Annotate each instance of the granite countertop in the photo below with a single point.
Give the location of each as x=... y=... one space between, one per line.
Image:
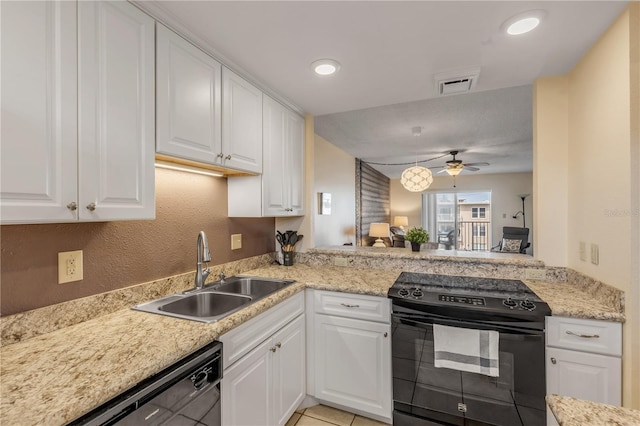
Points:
x=79 y=367
x=577 y=412
x=55 y=377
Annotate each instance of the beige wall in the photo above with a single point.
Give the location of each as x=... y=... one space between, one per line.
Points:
x=504 y=198
x=120 y=254
x=600 y=97
x=334 y=172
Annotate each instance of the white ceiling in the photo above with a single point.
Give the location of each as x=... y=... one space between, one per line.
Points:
x=390 y=52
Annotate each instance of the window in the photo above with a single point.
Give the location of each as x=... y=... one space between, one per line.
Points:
x=478 y=212
x=480 y=231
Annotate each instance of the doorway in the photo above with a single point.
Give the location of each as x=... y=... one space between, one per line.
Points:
x=458 y=220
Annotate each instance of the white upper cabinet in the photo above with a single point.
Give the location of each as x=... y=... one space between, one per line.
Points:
x=39 y=112
x=279 y=191
x=188 y=100
x=77 y=112
x=117 y=113
x=241 y=123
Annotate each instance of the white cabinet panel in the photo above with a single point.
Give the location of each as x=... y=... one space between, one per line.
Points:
x=39 y=111
x=188 y=100
x=247 y=397
x=357 y=306
x=241 y=123
x=583 y=375
x=116 y=115
x=77 y=112
x=289 y=369
x=295 y=167
x=603 y=337
x=353 y=364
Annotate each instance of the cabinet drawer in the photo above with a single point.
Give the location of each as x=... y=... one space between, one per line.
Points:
x=371 y=308
x=243 y=339
x=601 y=337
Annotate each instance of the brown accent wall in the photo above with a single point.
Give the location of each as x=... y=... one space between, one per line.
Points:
x=120 y=254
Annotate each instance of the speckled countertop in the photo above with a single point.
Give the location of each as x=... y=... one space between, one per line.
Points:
x=55 y=377
x=577 y=412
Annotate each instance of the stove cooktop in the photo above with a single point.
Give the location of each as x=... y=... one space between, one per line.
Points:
x=453 y=294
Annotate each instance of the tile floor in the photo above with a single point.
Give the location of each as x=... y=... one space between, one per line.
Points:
x=321 y=415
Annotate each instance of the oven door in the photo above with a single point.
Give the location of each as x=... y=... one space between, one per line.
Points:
x=426 y=395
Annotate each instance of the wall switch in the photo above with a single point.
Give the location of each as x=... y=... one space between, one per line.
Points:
x=70 y=266
x=504 y=215
x=595 y=254
x=236 y=241
x=535 y=274
x=340 y=261
x=583 y=251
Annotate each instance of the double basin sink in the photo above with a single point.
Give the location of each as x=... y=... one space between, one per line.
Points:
x=215 y=301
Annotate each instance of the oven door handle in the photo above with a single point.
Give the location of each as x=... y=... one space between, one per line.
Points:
x=424 y=320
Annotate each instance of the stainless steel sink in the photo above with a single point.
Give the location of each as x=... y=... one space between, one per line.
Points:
x=216 y=300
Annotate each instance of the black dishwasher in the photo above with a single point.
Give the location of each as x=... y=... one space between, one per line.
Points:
x=186 y=393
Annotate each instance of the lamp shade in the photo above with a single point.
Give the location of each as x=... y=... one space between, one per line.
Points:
x=379 y=230
x=401 y=221
x=416 y=178
x=454 y=171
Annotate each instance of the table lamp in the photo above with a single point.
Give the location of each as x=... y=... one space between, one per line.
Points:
x=401 y=221
x=379 y=230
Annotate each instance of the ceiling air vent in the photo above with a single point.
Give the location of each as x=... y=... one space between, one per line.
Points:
x=453 y=83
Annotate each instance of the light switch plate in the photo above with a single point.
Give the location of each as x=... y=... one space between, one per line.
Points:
x=70 y=266
x=236 y=241
x=535 y=274
x=583 y=251
x=595 y=254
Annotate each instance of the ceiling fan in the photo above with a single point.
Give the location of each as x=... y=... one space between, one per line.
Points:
x=454 y=166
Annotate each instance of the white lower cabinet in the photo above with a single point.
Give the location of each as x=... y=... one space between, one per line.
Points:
x=266 y=384
x=584 y=359
x=351 y=357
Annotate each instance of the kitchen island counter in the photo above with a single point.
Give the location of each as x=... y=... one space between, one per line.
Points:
x=577 y=412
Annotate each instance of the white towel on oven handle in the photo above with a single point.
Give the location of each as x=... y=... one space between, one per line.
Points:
x=475 y=351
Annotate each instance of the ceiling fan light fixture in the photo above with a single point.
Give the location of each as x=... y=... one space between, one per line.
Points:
x=454 y=171
x=523 y=23
x=325 y=66
x=416 y=178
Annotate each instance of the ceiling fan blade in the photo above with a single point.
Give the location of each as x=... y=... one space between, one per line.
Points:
x=441 y=171
x=437 y=167
x=471 y=168
x=476 y=164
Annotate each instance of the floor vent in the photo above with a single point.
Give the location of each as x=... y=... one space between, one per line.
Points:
x=456 y=83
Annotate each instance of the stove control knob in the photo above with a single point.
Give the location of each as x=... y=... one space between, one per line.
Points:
x=528 y=305
x=403 y=292
x=417 y=293
x=509 y=303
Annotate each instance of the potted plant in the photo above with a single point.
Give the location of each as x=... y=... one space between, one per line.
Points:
x=417 y=236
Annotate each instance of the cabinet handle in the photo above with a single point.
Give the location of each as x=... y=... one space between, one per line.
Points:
x=350 y=306
x=273 y=349
x=584 y=336
x=220 y=155
x=386 y=334
x=228 y=157
x=278 y=345
x=72 y=206
x=553 y=361
x=91 y=207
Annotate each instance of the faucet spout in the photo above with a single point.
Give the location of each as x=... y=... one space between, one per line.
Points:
x=203 y=256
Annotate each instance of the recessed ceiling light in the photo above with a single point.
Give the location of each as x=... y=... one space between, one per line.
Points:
x=325 y=66
x=523 y=22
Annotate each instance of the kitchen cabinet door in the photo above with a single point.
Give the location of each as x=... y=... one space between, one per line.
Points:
x=289 y=370
x=39 y=112
x=295 y=148
x=241 y=123
x=189 y=123
x=247 y=397
x=116 y=112
x=584 y=375
x=353 y=364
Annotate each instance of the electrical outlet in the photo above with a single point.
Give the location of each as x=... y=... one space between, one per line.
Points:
x=236 y=241
x=595 y=254
x=535 y=274
x=340 y=261
x=70 y=266
x=583 y=251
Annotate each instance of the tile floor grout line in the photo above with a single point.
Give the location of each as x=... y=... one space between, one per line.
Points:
x=325 y=421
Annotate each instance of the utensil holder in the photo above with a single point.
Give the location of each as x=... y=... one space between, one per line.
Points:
x=287 y=258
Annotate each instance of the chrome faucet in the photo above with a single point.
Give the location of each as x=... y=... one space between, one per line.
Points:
x=203 y=256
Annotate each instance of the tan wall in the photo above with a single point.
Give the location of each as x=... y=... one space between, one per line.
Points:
x=334 y=173
x=550 y=170
x=120 y=254
x=601 y=100
x=504 y=198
